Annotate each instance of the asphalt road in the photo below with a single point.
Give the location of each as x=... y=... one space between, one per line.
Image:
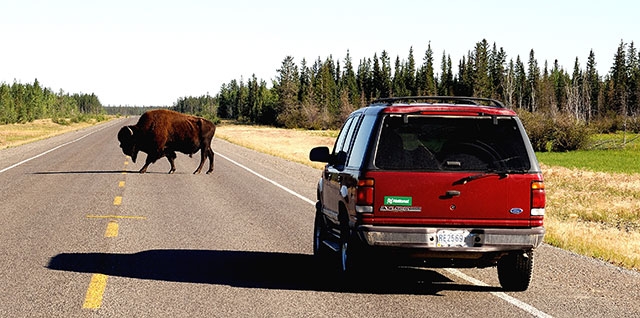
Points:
x=84 y=235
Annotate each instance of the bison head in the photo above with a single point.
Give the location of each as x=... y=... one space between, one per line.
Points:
x=128 y=142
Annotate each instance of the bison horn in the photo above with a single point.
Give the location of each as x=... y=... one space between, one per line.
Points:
x=130 y=130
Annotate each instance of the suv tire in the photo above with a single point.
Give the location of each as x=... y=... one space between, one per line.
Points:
x=515 y=271
x=321 y=252
x=352 y=254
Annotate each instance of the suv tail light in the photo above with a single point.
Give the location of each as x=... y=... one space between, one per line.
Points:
x=364 y=196
x=538 y=198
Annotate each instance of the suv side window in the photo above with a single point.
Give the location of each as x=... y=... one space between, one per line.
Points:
x=342 y=136
x=361 y=142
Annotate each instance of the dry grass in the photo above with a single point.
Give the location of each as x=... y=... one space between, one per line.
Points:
x=17 y=134
x=291 y=144
x=594 y=213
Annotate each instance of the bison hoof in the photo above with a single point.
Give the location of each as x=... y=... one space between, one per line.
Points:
x=171 y=171
x=209 y=172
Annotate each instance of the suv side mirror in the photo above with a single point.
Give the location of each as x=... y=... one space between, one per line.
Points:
x=320 y=154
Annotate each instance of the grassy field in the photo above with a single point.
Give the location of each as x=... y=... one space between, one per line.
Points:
x=593 y=197
x=17 y=134
x=292 y=144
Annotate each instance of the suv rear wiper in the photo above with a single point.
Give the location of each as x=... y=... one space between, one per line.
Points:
x=500 y=173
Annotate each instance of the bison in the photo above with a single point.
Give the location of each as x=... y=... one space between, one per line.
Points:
x=162 y=132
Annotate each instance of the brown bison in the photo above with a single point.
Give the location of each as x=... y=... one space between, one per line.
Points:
x=162 y=132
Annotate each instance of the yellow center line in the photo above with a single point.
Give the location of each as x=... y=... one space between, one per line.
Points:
x=112 y=229
x=93 y=299
x=98 y=283
x=111 y=216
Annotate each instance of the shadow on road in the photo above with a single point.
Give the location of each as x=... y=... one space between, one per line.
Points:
x=110 y=172
x=86 y=172
x=251 y=270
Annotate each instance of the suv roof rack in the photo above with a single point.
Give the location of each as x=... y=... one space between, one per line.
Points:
x=478 y=101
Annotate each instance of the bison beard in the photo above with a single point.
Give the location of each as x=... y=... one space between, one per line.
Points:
x=160 y=133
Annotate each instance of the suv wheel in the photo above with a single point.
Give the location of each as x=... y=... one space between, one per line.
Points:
x=351 y=255
x=320 y=250
x=515 y=270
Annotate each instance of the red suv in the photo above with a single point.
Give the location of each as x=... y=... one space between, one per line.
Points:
x=431 y=182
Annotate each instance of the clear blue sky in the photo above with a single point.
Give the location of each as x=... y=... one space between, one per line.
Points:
x=153 y=52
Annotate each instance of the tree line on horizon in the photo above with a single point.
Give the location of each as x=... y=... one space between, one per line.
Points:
x=22 y=103
x=320 y=94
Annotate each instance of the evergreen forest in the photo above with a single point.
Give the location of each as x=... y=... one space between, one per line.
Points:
x=319 y=94
x=21 y=103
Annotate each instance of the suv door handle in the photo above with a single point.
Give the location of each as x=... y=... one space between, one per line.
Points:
x=452 y=193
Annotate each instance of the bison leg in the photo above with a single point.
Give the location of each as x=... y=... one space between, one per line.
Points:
x=144 y=168
x=205 y=153
x=151 y=158
x=171 y=155
x=202 y=156
x=210 y=154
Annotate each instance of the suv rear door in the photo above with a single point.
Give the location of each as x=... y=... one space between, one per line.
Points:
x=452 y=170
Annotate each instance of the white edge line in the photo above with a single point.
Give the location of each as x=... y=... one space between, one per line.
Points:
x=52 y=149
x=303 y=198
x=516 y=302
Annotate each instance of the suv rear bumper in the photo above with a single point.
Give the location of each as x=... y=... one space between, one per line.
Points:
x=425 y=238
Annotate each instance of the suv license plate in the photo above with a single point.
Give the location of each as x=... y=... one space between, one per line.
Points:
x=452 y=238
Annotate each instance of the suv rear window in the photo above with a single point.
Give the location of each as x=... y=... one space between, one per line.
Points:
x=451 y=143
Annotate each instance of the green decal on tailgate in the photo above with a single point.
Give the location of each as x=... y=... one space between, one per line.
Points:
x=401 y=201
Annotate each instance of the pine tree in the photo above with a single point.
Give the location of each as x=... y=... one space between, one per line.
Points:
x=445 y=85
x=8 y=114
x=385 y=80
x=410 y=74
x=464 y=79
x=427 y=74
x=305 y=91
x=497 y=61
x=560 y=82
x=399 y=85
x=618 y=93
x=520 y=84
x=287 y=91
x=533 y=82
x=349 y=83
x=365 y=81
x=547 y=96
x=481 y=80
x=633 y=83
x=326 y=90
x=593 y=81
x=377 y=79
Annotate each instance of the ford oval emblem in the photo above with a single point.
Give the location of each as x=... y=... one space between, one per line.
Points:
x=516 y=210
